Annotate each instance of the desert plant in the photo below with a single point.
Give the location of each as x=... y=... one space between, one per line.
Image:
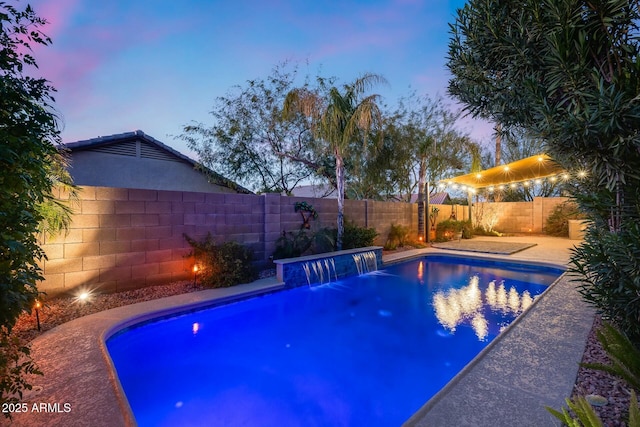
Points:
x=625 y=363
x=624 y=356
x=222 y=265
x=306 y=212
x=398 y=236
x=433 y=216
x=558 y=220
x=585 y=415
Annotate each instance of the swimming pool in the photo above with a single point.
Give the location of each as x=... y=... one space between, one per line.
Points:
x=368 y=350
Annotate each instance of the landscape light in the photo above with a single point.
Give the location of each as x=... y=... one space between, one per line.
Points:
x=37 y=306
x=195 y=274
x=83 y=296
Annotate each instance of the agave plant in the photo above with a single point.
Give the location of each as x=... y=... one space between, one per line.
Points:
x=625 y=363
x=625 y=357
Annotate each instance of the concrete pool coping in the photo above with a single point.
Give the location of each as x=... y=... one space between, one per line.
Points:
x=533 y=364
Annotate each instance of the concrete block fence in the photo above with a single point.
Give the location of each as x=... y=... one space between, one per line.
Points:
x=128 y=238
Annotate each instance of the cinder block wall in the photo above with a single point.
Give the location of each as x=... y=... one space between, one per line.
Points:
x=524 y=217
x=126 y=238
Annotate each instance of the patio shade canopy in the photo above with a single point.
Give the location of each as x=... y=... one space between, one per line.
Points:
x=534 y=167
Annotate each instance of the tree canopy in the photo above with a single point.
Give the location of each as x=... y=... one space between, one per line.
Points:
x=30 y=165
x=567 y=71
x=339 y=117
x=250 y=140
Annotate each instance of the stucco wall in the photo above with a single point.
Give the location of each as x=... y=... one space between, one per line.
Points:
x=90 y=168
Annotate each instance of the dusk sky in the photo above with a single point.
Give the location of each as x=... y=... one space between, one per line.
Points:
x=122 y=65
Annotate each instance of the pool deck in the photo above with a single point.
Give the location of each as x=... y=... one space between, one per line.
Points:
x=533 y=364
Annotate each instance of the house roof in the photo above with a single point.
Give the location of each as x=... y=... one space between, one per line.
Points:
x=440 y=198
x=533 y=167
x=161 y=152
x=315 y=191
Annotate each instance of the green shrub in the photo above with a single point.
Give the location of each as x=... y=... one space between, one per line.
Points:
x=398 y=237
x=302 y=242
x=357 y=237
x=446 y=230
x=222 y=265
x=609 y=268
x=292 y=245
x=481 y=231
x=558 y=220
x=16 y=365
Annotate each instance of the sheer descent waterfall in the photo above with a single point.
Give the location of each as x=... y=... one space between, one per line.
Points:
x=366 y=262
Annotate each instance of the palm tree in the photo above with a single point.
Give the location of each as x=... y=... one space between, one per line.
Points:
x=338 y=117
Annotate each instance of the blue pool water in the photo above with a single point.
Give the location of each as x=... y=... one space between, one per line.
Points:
x=369 y=350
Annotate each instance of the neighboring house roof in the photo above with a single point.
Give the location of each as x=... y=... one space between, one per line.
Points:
x=315 y=191
x=126 y=144
x=440 y=198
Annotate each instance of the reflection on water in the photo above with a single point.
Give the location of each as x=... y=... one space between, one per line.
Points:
x=453 y=307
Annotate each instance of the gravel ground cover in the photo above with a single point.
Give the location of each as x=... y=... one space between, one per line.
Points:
x=59 y=310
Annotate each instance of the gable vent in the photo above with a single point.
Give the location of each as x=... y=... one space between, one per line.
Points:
x=121 y=149
x=149 y=151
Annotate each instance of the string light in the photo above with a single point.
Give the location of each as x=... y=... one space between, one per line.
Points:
x=565 y=176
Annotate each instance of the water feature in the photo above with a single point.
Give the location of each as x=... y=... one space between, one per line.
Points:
x=327 y=267
x=320 y=268
x=366 y=262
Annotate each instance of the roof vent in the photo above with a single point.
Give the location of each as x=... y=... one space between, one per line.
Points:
x=120 y=149
x=150 y=151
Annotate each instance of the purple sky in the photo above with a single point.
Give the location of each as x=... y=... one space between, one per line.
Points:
x=121 y=65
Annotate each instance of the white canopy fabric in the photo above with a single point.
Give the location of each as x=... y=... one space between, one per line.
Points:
x=531 y=168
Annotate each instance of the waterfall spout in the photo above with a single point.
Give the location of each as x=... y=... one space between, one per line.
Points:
x=319 y=271
x=366 y=262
